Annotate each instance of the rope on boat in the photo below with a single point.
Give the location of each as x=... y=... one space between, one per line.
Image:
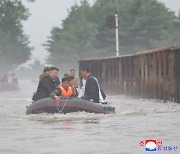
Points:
x=57 y=104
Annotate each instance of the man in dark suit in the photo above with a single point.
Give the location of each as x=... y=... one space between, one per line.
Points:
x=46 y=85
x=91 y=89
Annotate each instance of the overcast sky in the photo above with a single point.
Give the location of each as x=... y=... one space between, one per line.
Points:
x=48 y=13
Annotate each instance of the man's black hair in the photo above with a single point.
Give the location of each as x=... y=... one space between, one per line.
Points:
x=53 y=68
x=46 y=69
x=85 y=69
x=70 y=78
x=65 y=79
x=66 y=75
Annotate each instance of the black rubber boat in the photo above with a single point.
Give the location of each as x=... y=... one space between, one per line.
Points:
x=8 y=87
x=67 y=105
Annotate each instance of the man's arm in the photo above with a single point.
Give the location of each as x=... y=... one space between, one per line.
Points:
x=57 y=92
x=74 y=91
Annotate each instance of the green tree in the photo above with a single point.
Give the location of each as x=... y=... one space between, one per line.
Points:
x=143 y=24
x=14 y=43
x=77 y=35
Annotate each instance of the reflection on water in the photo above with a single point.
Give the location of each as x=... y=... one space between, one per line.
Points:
x=85 y=133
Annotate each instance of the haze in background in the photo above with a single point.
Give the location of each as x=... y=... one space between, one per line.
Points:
x=45 y=14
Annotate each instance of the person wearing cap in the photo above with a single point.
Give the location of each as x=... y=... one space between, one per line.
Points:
x=44 y=73
x=75 y=81
x=65 y=90
x=46 y=84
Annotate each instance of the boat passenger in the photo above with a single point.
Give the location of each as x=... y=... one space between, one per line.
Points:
x=82 y=89
x=72 y=85
x=64 y=90
x=75 y=81
x=91 y=88
x=46 y=85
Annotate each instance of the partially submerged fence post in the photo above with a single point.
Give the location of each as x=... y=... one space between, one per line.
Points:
x=151 y=74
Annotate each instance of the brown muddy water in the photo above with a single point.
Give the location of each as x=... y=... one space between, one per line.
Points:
x=135 y=120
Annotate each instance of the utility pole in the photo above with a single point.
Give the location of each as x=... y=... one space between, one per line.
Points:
x=117 y=34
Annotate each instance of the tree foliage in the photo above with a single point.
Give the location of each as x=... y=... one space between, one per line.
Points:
x=14 y=43
x=143 y=24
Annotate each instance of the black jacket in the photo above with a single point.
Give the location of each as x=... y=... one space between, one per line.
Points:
x=91 y=90
x=57 y=82
x=45 y=87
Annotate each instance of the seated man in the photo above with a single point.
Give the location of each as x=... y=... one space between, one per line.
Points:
x=91 y=88
x=64 y=90
x=46 y=85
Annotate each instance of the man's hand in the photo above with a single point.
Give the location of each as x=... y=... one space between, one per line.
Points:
x=91 y=100
x=58 y=100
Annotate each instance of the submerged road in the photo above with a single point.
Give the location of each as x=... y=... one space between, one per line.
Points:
x=85 y=133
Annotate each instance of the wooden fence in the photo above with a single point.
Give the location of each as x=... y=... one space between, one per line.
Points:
x=151 y=74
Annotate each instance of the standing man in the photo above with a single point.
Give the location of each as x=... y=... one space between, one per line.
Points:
x=91 y=88
x=46 y=84
x=75 y=81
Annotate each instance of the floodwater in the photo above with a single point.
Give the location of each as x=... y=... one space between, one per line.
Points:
x=84 y=133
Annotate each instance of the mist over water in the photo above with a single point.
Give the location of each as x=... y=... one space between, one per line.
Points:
x=85 y=133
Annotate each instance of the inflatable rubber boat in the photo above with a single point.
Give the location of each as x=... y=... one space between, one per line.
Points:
x=8 y=87
x=67 y=105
